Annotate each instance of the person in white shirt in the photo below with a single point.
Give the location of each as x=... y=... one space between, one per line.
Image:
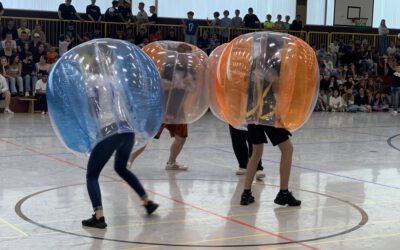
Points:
x=336 y=102
x=391 y=50
x=5 y=94
x=142 y=16
x=41 y=86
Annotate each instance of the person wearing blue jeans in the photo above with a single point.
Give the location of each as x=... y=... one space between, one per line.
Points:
x=121 y=144
x=395 y=89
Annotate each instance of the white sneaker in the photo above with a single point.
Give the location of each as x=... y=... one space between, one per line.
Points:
x=175 y=166
x=7 y=110
x=394 y=112
x=260 y=175
x=241 y=171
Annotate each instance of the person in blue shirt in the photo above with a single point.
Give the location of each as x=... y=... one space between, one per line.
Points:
x=191 y=26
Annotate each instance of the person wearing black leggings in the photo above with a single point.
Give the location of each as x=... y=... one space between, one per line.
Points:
x=102 y=152
x=243 y=150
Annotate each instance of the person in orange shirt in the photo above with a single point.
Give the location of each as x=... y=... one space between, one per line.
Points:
x=52 y=55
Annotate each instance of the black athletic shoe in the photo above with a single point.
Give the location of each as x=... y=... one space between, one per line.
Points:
x=286 y=198
x=150 y=207
x=93 y=222
x=246 y=199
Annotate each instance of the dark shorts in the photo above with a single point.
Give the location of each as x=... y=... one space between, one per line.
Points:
x=257 y=134
x=180 y=130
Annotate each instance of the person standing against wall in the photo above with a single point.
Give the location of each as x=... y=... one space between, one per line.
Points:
x=383 y=37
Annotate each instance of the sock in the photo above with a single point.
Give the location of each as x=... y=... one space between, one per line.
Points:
x=285 y=191
x=99 y=214
x=247 y=191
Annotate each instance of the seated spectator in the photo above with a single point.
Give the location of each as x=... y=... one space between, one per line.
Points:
x=26 y=48
x=129 y=35
x=268 y=24
x=348 y=100
x=361 y=102
x=171 y=36
x=42 y=67
x=24 y=28
x=144 y=43
x=5 y=94
x=63 y=43
x=142 y=16
x=214 y=41
x=35 y=43
x=279 y=25
x=14 y=76
x=40 y=95
x=321 y=53
x=66 y=11
x=52 y=55
x=93 y=12
x=29 y=74
x=380 y=102
x=391 y=50
x=155 y=36
x=204 y=43
x=23 y=38
x=322 y=102
x=85 y=38
x=13 y=42
x=141 y=36
x=38 y=30
x=10 y=28
x=336 y=102
x=72 y=34
x=7 y=51
x=96 y=33
x=40 y=52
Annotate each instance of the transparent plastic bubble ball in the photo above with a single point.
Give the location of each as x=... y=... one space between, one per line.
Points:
x=182 y=67
x=212 y=66
x=267 y=78
x=101 y=88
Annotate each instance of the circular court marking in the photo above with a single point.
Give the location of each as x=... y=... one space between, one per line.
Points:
x=361 y=223
x=391 y=144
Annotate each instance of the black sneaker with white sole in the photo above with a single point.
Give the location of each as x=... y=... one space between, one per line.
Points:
x=284 y=198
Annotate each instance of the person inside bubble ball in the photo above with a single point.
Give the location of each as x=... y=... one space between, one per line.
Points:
x=100 y=98
x=265 y=71
x=177 y=81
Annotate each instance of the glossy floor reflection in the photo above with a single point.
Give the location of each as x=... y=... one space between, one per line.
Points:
x=346 y=171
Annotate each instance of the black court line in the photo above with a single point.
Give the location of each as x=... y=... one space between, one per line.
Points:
x=390 y=142
x=361 y=223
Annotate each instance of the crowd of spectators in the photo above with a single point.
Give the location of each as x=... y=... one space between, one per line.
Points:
x=355 y=77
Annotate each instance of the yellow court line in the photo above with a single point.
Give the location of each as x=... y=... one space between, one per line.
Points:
x=339 y=241
x=259 y=235
x=13 y=227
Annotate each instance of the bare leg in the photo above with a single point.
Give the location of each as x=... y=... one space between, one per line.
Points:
x=286 y=149
x=135 y=155
x=7 y=96
x=252 y=164
x=176 y=148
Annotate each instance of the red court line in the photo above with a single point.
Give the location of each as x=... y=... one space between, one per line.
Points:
x=233 y=220
x=173 y=199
